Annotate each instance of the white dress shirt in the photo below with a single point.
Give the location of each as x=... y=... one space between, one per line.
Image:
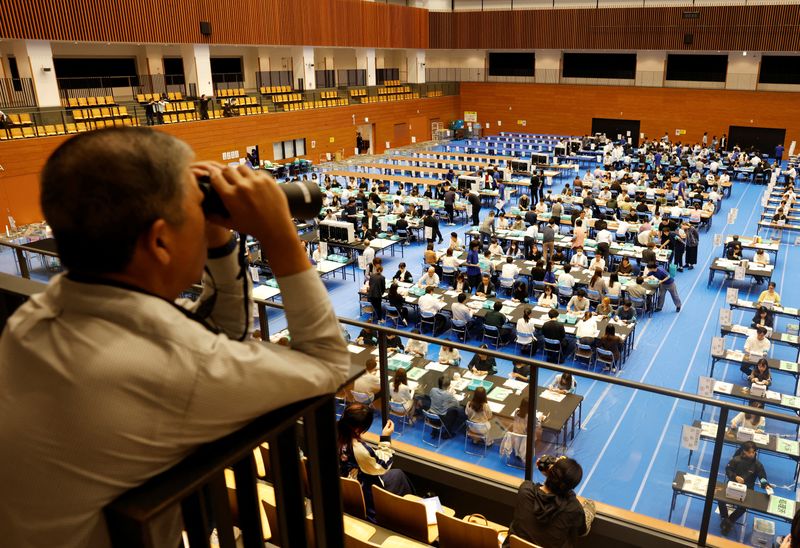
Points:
x=753 y=346
x=427 y=280
x=509 y=270
x=430 y=304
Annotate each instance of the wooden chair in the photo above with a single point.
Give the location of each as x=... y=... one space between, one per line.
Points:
x=405 y=515
x=393 y=541
x=353 y=498
x=456 y=533
x=515 y=542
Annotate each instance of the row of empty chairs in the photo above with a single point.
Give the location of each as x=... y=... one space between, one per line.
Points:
x=50 y=130
x=358 y=92
x=393 y=90
x=91 y=101
x=329 y=94
x=437 y=93
x=307 y=105
x=147 y=97
x=232 y=92
x=19 y=120
x=179 y=106
x=393 y=97
x=100 y=113
x=268 y=90
x=287 y=98
x=246 y=101
x=391 y=83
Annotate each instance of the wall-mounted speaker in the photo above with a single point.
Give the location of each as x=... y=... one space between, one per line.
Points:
x=688 y=38
x=205 y=28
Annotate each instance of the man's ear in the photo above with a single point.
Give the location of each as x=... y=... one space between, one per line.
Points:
x=158 y=242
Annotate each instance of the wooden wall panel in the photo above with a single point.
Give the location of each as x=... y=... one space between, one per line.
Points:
x=566 y=109
x=726 y=28
x=352 y=23
x=23 y=159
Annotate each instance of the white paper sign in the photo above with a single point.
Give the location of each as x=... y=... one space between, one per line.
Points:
x=362 y=263
x=690 y=437
x=254 y=273
x=705 y=386
x=717 y=240
x=428 y=233
x=732 y=296
x=323 y=249
x=384 y=224
x=717 y=347
x=739 y=273
x=724 y=316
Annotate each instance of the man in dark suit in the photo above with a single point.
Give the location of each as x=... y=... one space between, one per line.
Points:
x=430 y=221
x=553 y=329
x=449 y=203
x=475 y=201
x=486 y=287
x=497 y=319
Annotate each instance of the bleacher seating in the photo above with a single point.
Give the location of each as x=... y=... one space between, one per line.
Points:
x=90 y=101
x=358 y=92
x=432 y=93
x=229 y=93
x=50 y=130
x=271 y=90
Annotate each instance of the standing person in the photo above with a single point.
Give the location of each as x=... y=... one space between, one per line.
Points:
x=473 y=264
x=667 y=285
x=203 y=104
x=365 y=463
x=679 y=246
x=160 y=107
x=779 y=153
x=449 y=204
x=377 y=287
x=536 y=183
x=744 y=468
x=548 y=239
x=123 y=416
x=550 y=514
x=432 y=222
x=150 y=112
x=359 y=142
x=692 y=243
x=474 y=200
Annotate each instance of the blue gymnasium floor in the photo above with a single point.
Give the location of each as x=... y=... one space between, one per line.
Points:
x=629 y=443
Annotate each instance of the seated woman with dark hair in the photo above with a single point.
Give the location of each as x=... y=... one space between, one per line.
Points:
x=365 y=463
x=550 y=514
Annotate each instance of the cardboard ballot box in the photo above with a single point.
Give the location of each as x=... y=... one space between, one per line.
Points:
x=735 y=491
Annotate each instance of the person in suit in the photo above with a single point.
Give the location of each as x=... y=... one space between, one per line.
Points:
x=475 y=201
x=449 y=203
x=377 y=287
x=398 y=301
x=762 y=317
x=203 y=104
x=461 y=283
x=497 y=319
x=485 y=287
x=370 y=226
x=430 y=221
x=744 y=468
x=402 y=274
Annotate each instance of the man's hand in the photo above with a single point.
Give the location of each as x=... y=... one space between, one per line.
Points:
x=739 y=479
x=257 y=206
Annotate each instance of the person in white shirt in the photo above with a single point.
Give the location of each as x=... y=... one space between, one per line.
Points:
x=398 y=208
x=428 y=303
x=369 y=382
x=604 y=236
x=448 y=260
x=400 y=392
x=749 y=420
x=675 y=212
x=622 y=229
x=369 y=256
x=714 y=196
x=757 y=344
x=416 y=347
x=449 y=355
x=509 y=270
x=579 y=259
x=596 y=263
x=548 y=298
x=495 y=248
x=429 y=279
x=578 y=304
x=565 y=279
x=761 y=257
x=755 y=160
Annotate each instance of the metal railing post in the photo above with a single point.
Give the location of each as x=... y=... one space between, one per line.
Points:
x=383 y=365
x=533 y=400
x=289 y=496
x=719 y=441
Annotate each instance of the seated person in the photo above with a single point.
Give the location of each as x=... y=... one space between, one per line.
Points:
x=497 y=319
x=750 y=420
x=449 y=261
x=578 y=303
x=416 y=347
x=757 y=344
x=563 y=384
x=400 y=392
x=637 y=288
x=763 y=317
x=626 y=312
x=369 y=382
x=611 y=342
x=461 y=283
x=548 y=298
x=449 y=355
x=565 y=279
x=586 y=329
x=367 y=337
x=509 y=270
x=445 y=405
x=430 y=278
x=485 y=288
x=455 y=243
x=393 y=342
x=403 y=275
x=554 y=330
x=364 y=462
x=521 y=371
x=579 y=258
x=550 y=514
x=481 y=364
x=479 y=412
x=495 y=248
x=760 y=374
x=769 y=295
x=604 y=308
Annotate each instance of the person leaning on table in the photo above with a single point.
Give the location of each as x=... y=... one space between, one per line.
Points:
x=769 y=295
x=130 y=381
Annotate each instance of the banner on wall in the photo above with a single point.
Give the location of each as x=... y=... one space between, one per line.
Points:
x=522 y=123
x=470 y=116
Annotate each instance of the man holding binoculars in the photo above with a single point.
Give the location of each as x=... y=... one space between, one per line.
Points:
x=107 y=379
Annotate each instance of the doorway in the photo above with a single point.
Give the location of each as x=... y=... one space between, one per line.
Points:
x=401 y=135
x=616 y=129
x=762 y=139
x=366 y=134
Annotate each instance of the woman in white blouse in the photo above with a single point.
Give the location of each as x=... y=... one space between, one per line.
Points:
x=401 y=392
x=525 y=324
x=613 y=287
x=449 y=355
x=548 y=298
x=415 y=347
x=479 y=412
x=586 y=329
